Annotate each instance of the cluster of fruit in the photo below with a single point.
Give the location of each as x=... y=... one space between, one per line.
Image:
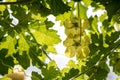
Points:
x=77 y=41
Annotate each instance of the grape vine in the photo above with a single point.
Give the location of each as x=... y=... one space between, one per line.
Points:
x=77 y=40
x=27 y=37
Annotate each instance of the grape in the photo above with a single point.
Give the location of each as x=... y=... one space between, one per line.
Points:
x=85 y=40
x=74 y=20
x=85 y=24
x=77 y=41
x=72 y=31
x=67 y=23
x=68 y=42
x=76 y=38
x=82 y=52
x=70 y=51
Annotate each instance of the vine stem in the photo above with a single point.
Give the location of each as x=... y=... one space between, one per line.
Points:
x=79 y=19
x=18 y=2
x=5 y=64
x=89 y=69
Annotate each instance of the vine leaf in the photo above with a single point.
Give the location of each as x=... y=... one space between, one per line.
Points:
x=63 y=17
x=115 y=62
x=111 y=6
x=34 y=57
x=9 y=44
x=58 y=7
x=23 y=59
x=98 y=75
x=5 y=62
x=99 y=50
x=36 y=76
x=47 y=37
x=50 y=73
x=83 y=10
x=22 y=44
x=73 y=72
x=5 y=78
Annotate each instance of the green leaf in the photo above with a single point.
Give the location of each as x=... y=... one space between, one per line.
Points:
x=113 y=37
x=5 y=62
x=73 y=72
x=9 y=44
x=63 y=17
x=98 y=75
x=34 y=57
x=38 y=7
x=87 y=2
x=50 y=73
x=22 y=44
x=115 y=62
x=83 y=11
x=111 y=6
x=95 y=25
x=5 y=78
x=47 y=37
x=2 y=8
x=36 y=76
x=23 y=59
x=49 y=24
x=58 y=7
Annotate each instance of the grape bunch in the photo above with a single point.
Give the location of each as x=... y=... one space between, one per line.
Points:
x=77 y=40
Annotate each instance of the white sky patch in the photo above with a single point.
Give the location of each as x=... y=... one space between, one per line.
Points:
x=90 y=12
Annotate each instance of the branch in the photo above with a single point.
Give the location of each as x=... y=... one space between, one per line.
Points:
x=18 y=2
x=79 y=18
x=89 y=69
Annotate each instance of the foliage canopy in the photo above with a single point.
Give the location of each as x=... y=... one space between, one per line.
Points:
x=27 y=37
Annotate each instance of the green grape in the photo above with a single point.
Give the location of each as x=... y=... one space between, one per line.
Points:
x=67 y=23
x=68 y=42
x=76 y=42
x=72 y=31
x=79 y=52
x=76 y=38
x=85 y=40
x=70 y=51
x=74 y=20
x=85 y=24
x=82 y=52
